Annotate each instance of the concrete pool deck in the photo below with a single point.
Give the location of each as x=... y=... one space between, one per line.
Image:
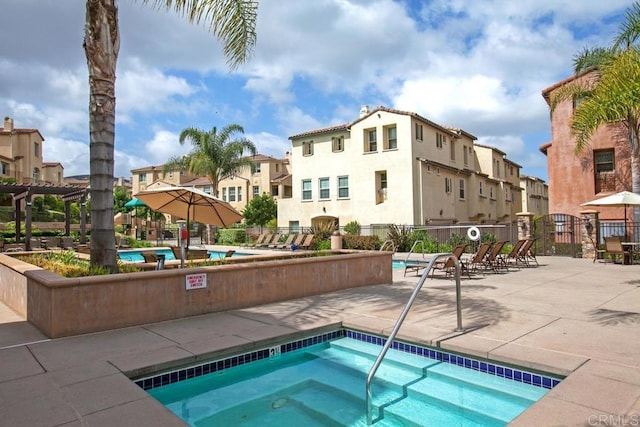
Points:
x=567 y=316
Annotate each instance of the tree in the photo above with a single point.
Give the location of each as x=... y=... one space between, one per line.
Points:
x=231 y=21
x=215 y=155
x=120 y=197
x=614 y=96
x=260 y=210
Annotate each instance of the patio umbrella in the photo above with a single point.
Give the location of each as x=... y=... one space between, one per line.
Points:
x=134 y=203
x=190 y=204
x=623 y=199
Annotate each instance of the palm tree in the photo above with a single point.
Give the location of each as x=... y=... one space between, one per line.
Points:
x=231 y=21
x=613 y=97
x=215 y=155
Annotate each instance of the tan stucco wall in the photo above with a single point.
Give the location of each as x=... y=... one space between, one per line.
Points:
x=61 y=307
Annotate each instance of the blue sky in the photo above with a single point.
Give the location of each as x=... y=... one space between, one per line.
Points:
x=477 y=65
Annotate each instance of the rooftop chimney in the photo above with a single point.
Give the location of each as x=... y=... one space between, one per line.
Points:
x=8 y=124
x=364 y=110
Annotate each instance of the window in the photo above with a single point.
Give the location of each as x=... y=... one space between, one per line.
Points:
x=294 y=226
x=343 y=187
x=307 y=148
x=419 y=132
x=391 y=140
x=323 y=184
x=239 y=194
x=337 y=144
x=452 y=148
x=440 y=138
x=275 y=190
x=143 y=177
x=604 y=170
x=481 y=188
x=277 y=167
x=506 y=194
x=461 y=194
x=224 y=194
x=447 y=185
x=36 y=149
x=381 y=186
x=257 y=167
x=206 y=189
x=36 y=174
x=371 y=140
x=170 y=175
x=465 y=155
x=603 y=160
x=491 y=192
x=256 y=191
x=4 y=168
x=306 y=189
x=232 y=194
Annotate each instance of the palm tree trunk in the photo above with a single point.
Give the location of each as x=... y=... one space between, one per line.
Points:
x=101 y=44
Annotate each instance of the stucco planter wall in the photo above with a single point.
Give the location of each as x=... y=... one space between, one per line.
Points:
x=61 y=307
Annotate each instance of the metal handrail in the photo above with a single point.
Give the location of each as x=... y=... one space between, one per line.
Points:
x=413 y=247
x=404 y=313
x=393 y=245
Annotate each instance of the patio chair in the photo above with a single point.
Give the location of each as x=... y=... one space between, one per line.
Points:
x=512 y=256
x=308 y=241
x=448 y=265
x=285 y=244
x=613 y=248
x=295 y=244
x=259 y=240
x=494 y=259
x=476 y=260
x=275 y=238
x=527 y=254
x=150 y=256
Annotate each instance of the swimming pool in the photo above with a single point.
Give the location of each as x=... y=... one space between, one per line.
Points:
x=135 y=255
x=320 y=380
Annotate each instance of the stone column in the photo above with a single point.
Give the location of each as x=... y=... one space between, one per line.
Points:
x=525 y=225
x=589 y=233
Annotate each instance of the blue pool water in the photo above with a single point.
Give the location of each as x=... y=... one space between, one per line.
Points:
x=316 y=382
x=136 y=255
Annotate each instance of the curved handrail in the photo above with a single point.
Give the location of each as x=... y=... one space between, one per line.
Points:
x=404 y=313
x=413 y=247
x=390 y=242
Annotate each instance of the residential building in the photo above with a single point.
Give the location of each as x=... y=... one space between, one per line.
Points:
x=53 y=173
x=535 y=195
x=397 y=167
x=268 y=175
x=602 y=168
x=21 y=154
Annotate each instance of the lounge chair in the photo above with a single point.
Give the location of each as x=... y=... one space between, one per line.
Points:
x=295 y=244
x=494 y=260
x=227 y=254
x=476 y=260
x=613 y=248
x=258 y=241
x=150 y=256
x=526 y=253
x=285 y=244
x=448 y=265
x=275 y=238
x=308 y=241
x=512 y=256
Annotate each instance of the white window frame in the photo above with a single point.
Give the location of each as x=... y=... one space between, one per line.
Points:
x=337 y=144
x=307 y=190
x=461 y=191
x=343 y=187
x=419 y=132
x=324 y=188
x=232 y=194
x=448 y=185
x=307 y=148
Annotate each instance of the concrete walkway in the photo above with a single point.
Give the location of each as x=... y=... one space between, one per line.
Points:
x=567 y=316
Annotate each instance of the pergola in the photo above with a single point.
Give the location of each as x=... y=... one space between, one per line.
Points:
x=68 y=193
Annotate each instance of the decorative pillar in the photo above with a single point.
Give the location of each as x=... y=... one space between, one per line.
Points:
x=589 y=233
x=525 y=225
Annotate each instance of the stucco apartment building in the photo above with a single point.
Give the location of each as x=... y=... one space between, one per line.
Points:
x=603 y=168
x=21 y=156
x=269 y=175
x=535 y=195
x=397 y=167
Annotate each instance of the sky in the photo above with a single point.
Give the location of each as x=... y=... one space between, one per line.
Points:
x=477 y=65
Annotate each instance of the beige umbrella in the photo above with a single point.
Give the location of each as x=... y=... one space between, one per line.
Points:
x=190 y=204
x=621 y=199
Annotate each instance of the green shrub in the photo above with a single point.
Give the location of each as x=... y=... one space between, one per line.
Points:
x=229 y=236
x=352 y=228
x=367 y=243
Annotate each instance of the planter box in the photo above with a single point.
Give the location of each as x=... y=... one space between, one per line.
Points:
x=62 y=307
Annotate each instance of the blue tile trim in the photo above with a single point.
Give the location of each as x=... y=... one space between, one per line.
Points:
x=229 y=362
x=490 y=368
x=509 y=372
